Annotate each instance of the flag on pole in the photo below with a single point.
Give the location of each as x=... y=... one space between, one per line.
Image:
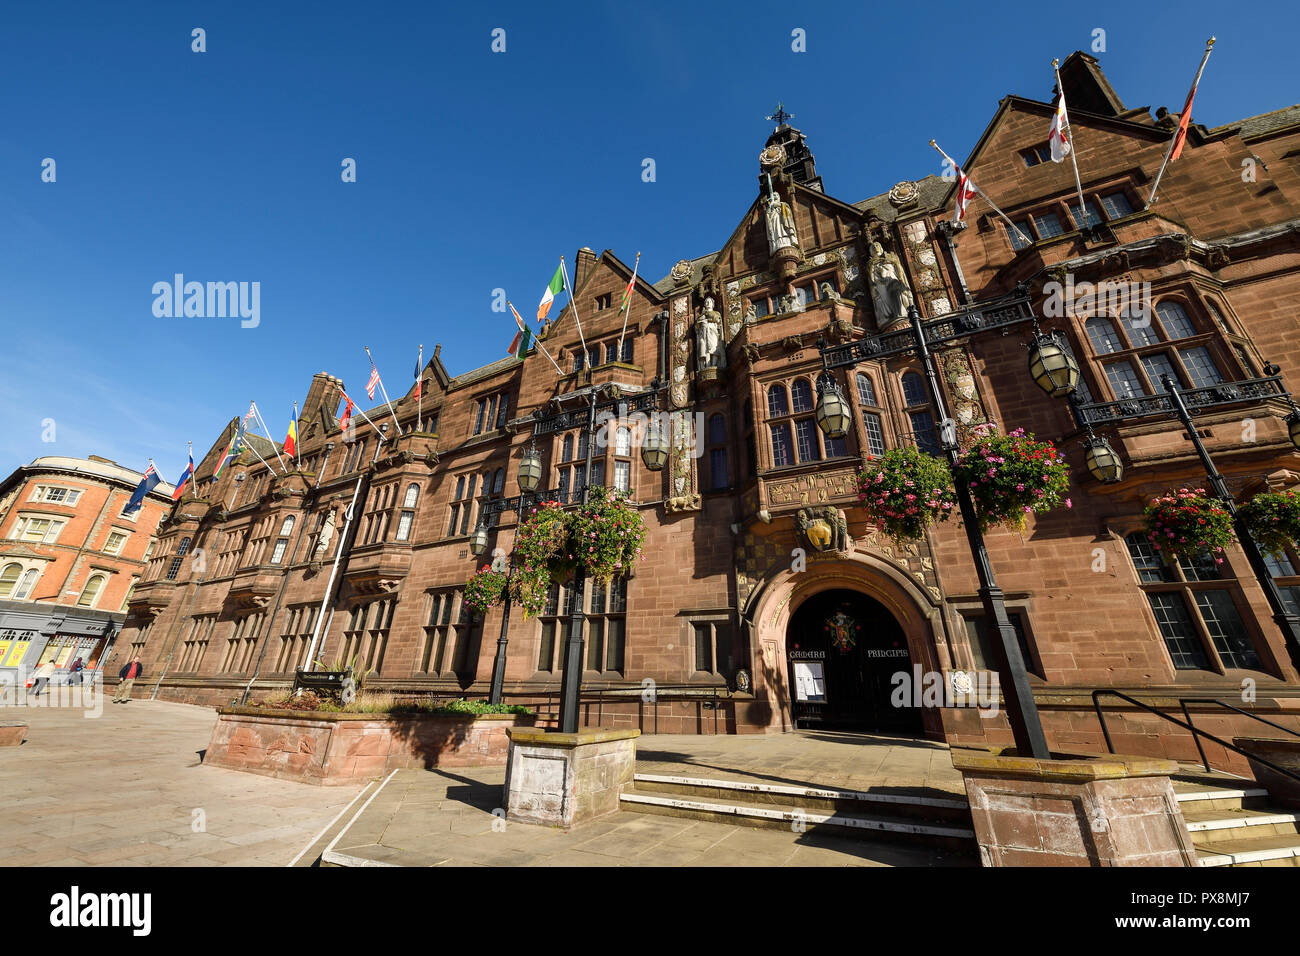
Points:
x=291 y=437
x=527 y=332
x=519 y=344
x=374 y=381
x=233 y=450
x=184 y=479
x=347 y=413
x=552 y=290
x=419 y=382
x=966 y=191
x=147 y=484
x=1058 y=135
x=1184 y=121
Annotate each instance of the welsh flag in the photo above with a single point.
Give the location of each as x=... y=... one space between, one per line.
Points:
x=1058 y=136
x=552 y=290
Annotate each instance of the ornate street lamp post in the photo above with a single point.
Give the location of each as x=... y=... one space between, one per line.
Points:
x=1022 y=712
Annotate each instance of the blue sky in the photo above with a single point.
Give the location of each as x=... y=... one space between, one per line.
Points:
x=475 y=170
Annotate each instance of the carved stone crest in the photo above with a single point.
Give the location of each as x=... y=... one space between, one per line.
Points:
x=681 y=272
x=903 y=193
x=823 y=529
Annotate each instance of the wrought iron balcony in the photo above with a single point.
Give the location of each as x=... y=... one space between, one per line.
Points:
x=1196 y=399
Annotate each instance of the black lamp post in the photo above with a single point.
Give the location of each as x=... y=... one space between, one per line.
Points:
x=1022 y=712
x=1182 y=403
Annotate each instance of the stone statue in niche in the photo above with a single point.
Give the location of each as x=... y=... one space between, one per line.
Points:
x=326 y=533
x=889 y=290
x=708 y=339
x=781 y=233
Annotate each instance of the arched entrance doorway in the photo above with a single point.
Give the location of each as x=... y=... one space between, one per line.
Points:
x=843 y=649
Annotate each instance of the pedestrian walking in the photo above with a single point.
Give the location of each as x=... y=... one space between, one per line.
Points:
x=129 y=672
x=42 y=676
x=74 y=671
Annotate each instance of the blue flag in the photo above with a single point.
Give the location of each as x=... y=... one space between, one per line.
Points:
x=147 y=484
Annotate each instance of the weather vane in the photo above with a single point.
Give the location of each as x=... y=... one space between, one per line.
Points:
x=780 y=116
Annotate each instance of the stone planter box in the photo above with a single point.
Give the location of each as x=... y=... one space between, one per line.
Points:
x=333 y=749
x=1074 y=810
x=563 y=780
x=12 y=733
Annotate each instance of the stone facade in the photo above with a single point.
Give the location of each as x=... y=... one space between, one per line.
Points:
x=707 y=611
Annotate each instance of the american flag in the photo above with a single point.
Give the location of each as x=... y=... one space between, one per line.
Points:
x=374 y=381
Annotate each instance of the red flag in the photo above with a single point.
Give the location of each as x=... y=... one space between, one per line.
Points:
x=374 y=380
x=347 y=413
x=965 y=193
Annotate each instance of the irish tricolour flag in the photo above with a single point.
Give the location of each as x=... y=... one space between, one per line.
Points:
x=552 y=290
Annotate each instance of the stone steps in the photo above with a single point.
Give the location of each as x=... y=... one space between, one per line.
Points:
x=915 y=818
x=1234 y=826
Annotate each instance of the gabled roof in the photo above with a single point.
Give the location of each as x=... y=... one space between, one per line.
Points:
x=1263 y=124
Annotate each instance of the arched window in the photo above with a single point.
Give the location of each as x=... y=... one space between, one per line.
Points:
x=282 y=541
x=1102 y=335
x=91 y=591
x=866 y=390
x=498 y=481
x=9 y=578
x=407 y=518
x=1173 y=317
x=914 y=390
x=25 y=584
x=801 y=395
x=777 y=403
x=286 y=526
x=412 y=495
x=623 y=441
x=566 y=449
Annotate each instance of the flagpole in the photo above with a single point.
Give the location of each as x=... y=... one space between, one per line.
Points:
x=257 y=413
x=981 y=192
x=1209 y=44
x=535 y=339
x=419 y=396
x=384 y=391
x=627 y=307
x=1074 y=153
x=573 y=304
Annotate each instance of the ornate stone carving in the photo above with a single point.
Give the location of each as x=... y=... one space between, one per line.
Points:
x=751 y=353
x=710 y=355
x=823 y=529
x=681 y=272
x=903 y=193
x=326 y=534
x=781 y=232
x=773 y=157
x=792 y=343
x=890 y=293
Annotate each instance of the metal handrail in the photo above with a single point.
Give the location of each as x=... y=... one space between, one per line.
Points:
x=1187 y=725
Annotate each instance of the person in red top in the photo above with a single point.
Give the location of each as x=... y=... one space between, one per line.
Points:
x=128 y=674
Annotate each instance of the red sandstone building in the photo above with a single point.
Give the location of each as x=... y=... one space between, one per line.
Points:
x=716 y=616
x=69 y=558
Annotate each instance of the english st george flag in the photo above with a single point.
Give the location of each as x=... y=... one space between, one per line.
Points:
x=1058 y=136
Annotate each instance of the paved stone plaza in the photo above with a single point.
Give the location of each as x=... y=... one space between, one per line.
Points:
x=122 y=790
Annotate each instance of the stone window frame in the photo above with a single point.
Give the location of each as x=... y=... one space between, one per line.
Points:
x=769 y=296
x=26 y=568
x=295 y=639
x=365 y=633
x=441 y=619
x=241 y=643
x=604 y=613
x=195 y=645
x=972 y=615
x=1026 y=219
x=1206 y=333
x=51 y=533
x=791 y=419
x=553 y=631
x=875 y=407
x=717 y=447
x=909 y=408
x=710 y=619
x=461 y=505
x=1177 y=579
x=41 y=494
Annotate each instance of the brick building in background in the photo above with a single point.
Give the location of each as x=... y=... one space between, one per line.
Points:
x=715 y=614
x=69 y=557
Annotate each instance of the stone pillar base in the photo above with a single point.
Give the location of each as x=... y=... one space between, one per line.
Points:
x=1285 y=753
x=1074 y=810
x=562 y=780
x=12 y=733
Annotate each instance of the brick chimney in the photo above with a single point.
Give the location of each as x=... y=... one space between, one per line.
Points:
x=323 y=393
x=582 y=268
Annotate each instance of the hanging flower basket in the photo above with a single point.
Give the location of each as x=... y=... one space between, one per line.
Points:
x=1013 y=476
x=543 y=542
x=1187 y=522
x=528 y=590
x=484 y=589
x=1273 y=519
x=905 y=492
x=607 y=533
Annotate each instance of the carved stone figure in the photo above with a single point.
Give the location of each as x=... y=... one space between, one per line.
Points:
x=889 y=290
x=823 y=529
x=780 y=224
x=709 y=353
x=326 y=533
